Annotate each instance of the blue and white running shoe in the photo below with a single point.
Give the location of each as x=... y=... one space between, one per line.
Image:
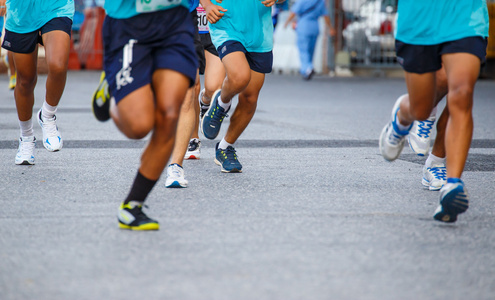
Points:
x=435 y=177
x=227 y=159
x=454 y=200
x=211 y=122
x=419 y=137
x=392 y=139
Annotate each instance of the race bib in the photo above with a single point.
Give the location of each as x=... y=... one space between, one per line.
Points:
x=202 y=20
x=143 y=6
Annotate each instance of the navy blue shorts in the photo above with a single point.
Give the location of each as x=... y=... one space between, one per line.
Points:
x=138 y=46
x=207 y=43
x=200 y=53
x=26 y=42
x=260 y=62
x=428 y=58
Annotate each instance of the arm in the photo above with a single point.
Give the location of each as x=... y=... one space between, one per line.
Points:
x=3 y=8
x=213 y=12
x=331 y=30
x=270 y=3
x=289 y=19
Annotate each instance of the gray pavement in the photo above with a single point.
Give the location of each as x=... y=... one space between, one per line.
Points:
x=316 y=214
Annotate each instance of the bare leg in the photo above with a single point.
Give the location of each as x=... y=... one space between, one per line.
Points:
x=57 y=46
x=246 y=107
x=26 y=82
x=185 y=126
x=462 y=72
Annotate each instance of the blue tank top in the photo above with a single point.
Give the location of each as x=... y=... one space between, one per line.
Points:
x=431 y=22
x=24 y=16
x=124 y=9
x=246 y=21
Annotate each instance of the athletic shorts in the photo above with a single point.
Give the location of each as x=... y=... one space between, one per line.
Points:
x=260 y=62
x=208 y=44
x=200 y=53
x=26 y=42
x=428 y=58
x=138 y=46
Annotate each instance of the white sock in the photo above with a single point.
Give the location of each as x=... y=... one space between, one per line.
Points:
x=48 y=111
x=433 y=160
x=26 y=128
x=223 y=105
x=433 y=111
x=224 y=144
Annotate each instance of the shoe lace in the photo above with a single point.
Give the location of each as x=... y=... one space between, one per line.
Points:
x=193 y=145
x=217 y=115
x=230 y=153
x=424 y=128
x=175 y=171
x=26 y=148
x=439 y=172
x=394 y=138
x=50 y=126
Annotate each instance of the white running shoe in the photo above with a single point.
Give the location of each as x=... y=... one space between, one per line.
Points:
x=193 y=150
x=52 y=140
x=435 y=177
x=25 y=152
x=175 y=177
x=392 y=139
x=420 y=135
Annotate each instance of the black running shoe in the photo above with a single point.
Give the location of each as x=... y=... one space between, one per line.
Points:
x=132 y=217
x=101 y=100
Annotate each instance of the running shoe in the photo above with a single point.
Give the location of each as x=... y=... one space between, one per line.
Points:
x=101 y=100
x=12 y=81
x=175 y=177
x=25 y=152
x=203 y=107
x=454 y=200
x=212 y=120
x=227 y=159
x=193 y=150
x=420 y=135
x=52 y=140
x=435 y=177
x=392 y=139
x=132 y=217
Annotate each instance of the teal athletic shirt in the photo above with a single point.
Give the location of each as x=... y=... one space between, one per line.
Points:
x=124 y=9
x=246 y=21
x=432 y=22
x=24 y=16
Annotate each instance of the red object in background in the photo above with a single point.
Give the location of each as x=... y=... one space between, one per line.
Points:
x=74 y=63
x=90 y=47
x=386 y=27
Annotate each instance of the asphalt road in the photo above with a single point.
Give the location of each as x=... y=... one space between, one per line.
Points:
x=316 y=214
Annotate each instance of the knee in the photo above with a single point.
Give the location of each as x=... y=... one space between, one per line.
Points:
x=239 y=80
x=25 y=82
x=139 y=129
x=249 y=100
x=460 y=98
x=57 y=67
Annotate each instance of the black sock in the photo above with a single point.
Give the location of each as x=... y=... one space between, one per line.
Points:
x=141 y=187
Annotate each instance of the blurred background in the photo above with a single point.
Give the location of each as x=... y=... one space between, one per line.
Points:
x=363 y=44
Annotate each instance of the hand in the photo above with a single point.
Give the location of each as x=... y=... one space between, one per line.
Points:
x=267 y=3
x=3 y=8
x=332 y=32
x=213 y=12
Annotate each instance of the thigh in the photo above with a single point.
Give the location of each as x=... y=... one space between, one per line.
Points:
x=422 y=90
x=57 y=47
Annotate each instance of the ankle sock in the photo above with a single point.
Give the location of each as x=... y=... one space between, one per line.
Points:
x=140 y=189
x=433 y=160
x=48 y=111
x=26 y=128
x=224 y=144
